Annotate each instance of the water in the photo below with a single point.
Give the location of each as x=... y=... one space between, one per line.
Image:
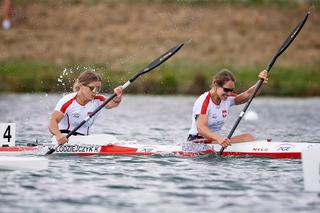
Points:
x=161 y=184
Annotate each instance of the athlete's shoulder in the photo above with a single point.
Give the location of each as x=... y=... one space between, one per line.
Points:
x=231 y=99
x=203 y=102
x=232 y=96
x=203 y=96
x=100 y=97
x=65 y=102
x=68 y=97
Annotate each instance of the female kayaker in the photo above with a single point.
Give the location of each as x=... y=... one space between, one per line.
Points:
x=210 y=110
x=73 y=108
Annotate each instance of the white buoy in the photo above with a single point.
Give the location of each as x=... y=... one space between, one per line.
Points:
x=23 y=163
x=251 y=116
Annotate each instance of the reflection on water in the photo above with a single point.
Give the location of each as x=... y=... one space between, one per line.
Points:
x=168 y=184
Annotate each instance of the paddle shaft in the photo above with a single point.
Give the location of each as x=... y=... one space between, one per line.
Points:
x=284 y=46
x=148 y=68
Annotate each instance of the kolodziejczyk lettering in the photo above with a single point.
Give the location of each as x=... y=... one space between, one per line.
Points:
x=79 y=149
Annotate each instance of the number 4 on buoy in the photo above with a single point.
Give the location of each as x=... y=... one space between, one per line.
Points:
x=7 y=134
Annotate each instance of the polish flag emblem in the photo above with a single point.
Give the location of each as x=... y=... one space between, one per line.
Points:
x=224 y=113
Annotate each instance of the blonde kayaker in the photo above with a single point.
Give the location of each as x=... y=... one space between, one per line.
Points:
x=210 y=110
x=73 y=108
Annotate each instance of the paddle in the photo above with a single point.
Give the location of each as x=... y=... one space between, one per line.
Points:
x=148 y=68
x=284 y=46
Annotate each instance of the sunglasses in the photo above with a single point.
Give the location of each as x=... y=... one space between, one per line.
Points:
x=227 y=89
x=94 y=89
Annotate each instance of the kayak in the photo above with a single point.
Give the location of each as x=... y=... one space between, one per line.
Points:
x=108 y=145
x=23 y=163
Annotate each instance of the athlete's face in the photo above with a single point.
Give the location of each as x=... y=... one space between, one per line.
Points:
x=90 y=90
x=225 y=90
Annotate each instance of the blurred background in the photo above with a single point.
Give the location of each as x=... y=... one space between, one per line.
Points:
x=45 y=44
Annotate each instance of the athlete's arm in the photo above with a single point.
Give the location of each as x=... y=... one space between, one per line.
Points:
x=56 y=117
x=115 y=101
x=245 y=96
x=202 y=127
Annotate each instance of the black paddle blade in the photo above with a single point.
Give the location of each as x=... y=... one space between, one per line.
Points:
x=288 y=41
x=158 y=61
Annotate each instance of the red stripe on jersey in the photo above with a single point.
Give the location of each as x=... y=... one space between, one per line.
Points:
x=67 y=104
x=233 y=94
x=205 y=104
x=100 y=97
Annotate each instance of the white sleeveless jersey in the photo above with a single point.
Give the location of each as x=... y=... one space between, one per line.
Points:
x=217 y=114
x=75 y=113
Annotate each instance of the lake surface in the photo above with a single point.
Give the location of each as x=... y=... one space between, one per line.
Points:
x=161 y=184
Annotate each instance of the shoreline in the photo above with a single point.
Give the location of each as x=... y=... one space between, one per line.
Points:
x=174 y=77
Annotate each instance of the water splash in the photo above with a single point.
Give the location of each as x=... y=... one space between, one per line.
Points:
x=67 y=77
